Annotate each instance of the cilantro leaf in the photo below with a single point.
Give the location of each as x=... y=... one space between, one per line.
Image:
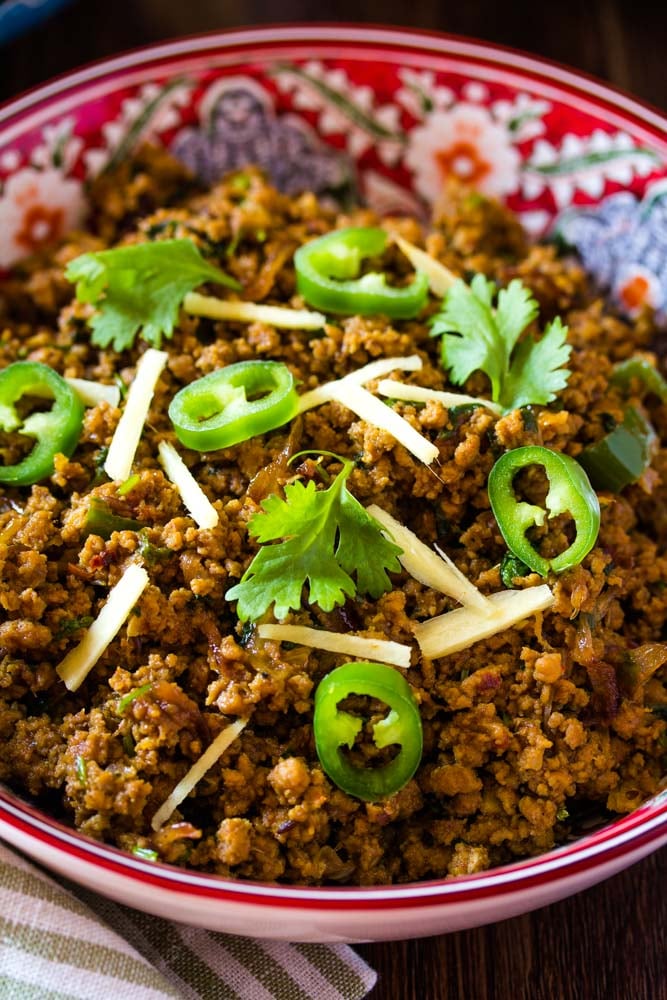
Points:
x=516 y=310
x=140 y=287
x=536 y=373
x=327 y=538
x=468 y=311
x=477 y=337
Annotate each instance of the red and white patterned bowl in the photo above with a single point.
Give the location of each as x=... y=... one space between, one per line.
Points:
x=389 y=114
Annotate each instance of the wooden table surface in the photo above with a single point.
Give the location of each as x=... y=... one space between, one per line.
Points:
x=607 y=943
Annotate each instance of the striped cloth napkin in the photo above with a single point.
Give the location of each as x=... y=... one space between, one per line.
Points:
x=61 y=943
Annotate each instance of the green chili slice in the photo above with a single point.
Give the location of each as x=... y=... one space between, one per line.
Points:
x=569 y=492
x=622 y=456
x=145 y=853
x=233 y=404
x=511 y=570
x=128 y=485
x=639 y=369
x=131 y=696
x=81 y=770
x=55 y=431
x=334 y=729
x=327 y=275
x=100 y=520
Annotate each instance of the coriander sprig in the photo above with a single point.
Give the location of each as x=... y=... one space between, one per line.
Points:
x=326 y=539
x=478 y=337
x=140 y=288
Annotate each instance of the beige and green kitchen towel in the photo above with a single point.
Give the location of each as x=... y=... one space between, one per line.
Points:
x=61 y=944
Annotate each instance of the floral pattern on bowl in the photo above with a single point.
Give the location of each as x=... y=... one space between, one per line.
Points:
x=623 y=242
x=238 y=126
x=393 y=132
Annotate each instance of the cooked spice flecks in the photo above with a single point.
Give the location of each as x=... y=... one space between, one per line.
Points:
x=300 y=506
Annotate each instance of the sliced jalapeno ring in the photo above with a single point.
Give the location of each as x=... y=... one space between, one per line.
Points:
x=569 y=492
x=233 y=404
x=327 y=275
x=56 y=431
x=334 y=729
x=623 y=455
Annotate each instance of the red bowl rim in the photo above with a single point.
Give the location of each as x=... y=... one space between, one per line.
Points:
x=378 y=36
x=646 y=825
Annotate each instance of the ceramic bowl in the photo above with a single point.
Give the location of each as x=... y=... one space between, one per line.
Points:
x=387 y=114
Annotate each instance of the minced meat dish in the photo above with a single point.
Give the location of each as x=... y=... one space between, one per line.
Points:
x=502 y=746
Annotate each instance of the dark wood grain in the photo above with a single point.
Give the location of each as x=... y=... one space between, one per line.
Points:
x=607 y=943
x=618 y=40
x=604 y=944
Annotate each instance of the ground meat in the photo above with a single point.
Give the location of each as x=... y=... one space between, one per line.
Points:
x=522 y=731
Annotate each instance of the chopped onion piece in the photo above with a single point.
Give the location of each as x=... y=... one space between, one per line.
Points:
x=126 y=437
x=419 y=393
x=639 y=665
x=92 y=393
x=383 y=650
x=463 y=627
x=198 y=504
x=197 y=771
x=437 y=571
x=252 y=312
x=375 y=369
x=78 y=663
x=440 y=278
